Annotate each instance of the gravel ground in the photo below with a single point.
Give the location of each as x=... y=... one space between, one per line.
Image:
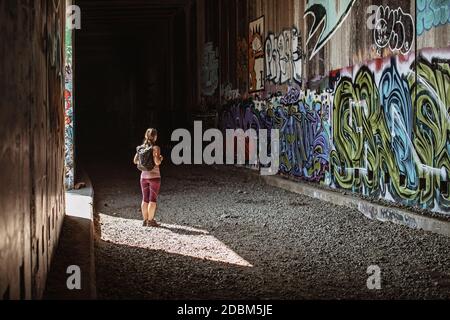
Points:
x=228 y=236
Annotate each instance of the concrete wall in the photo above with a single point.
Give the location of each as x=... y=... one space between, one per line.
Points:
x=348 y=39
x=351 y=41
x=376 y=123
x=32 y=148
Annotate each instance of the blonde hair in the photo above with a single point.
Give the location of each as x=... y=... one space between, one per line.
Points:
x=150 y=136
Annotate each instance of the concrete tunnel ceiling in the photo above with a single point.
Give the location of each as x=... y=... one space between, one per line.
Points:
x=128 y=13
x=112 y=17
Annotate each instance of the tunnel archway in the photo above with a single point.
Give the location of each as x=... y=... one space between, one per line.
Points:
x=130 y=75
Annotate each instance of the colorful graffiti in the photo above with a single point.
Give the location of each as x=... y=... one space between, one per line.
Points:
x=382 y=129
x=390 y=132
x=394 y=29
x=68 y=97
x=240 y=114
x=256 y=55
x=210 y=70
x=284 y=57
x=431 y=14
x=328 y=15
x=304 y=124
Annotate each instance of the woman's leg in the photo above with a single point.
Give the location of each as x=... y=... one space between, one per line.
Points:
x=155 y=185
x=144 y=208
x=145 y=187
x=151 y=211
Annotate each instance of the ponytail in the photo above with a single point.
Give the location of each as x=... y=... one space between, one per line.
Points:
x=150 y=137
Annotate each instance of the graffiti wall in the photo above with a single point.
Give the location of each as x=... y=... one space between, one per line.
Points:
x=377 y=122
x=390 y=129
x=256 y=55
x=380 y=131
x=304 y=123
x=68 y=108
x=292 y=42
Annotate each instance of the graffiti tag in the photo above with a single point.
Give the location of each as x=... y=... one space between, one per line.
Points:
x=431 y=14
x=329 y=15
x=394 y=29
x=284 y=57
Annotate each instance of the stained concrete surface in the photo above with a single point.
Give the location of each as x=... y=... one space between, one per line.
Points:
x=76 y=246
x=229 y=236
x=73 y=250
x=32 y=144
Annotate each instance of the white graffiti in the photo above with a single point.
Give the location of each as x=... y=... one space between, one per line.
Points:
x=228 y=93
x=394 y=29
x=284 y=57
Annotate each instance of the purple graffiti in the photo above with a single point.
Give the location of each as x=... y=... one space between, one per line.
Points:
x=292 y=97
x=304 y=125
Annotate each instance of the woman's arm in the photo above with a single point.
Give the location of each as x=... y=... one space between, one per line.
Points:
x=157 y=157
x=136 y=159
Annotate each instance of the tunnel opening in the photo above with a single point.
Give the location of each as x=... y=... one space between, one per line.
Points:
x=131 y=74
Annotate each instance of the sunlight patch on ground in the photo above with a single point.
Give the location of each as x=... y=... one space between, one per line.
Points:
x=182 y=240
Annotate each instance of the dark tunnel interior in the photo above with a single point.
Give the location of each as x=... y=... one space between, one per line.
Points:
x=131 y=74
x=318 y=167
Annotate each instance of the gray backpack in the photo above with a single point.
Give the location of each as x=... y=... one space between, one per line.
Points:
x=145 y=158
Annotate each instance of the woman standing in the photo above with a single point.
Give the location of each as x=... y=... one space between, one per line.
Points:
x=148 y=159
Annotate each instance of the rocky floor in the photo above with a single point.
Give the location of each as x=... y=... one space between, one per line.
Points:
x=226 y=235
